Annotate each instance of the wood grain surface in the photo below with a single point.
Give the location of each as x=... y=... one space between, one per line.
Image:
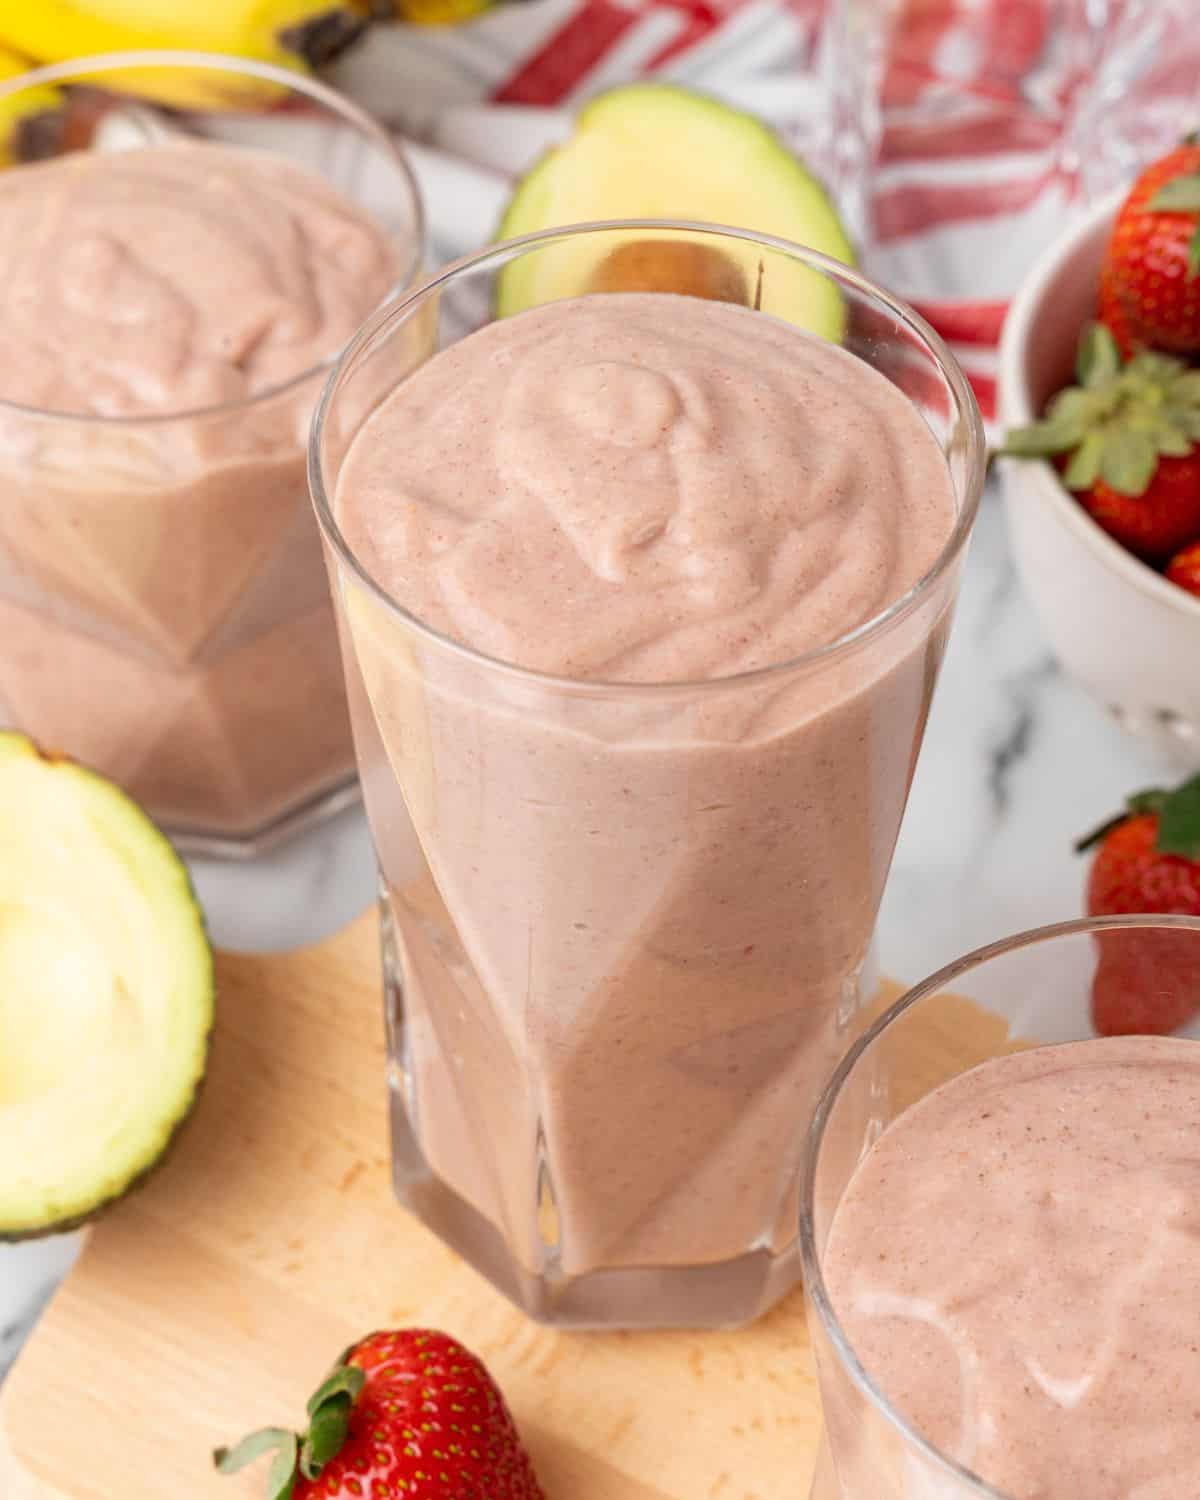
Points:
x=213 y=1299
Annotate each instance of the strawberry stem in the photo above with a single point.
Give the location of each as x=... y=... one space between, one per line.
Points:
x=1149 y=801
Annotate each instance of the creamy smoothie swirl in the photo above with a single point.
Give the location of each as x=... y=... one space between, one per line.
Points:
x=175 y=277
x=163 y=600
x=1017 y=1264
x=631 y=925
x=641 y=487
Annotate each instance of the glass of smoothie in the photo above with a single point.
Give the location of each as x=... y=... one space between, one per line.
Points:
x=642 y=596
x=186 y=243
x=999 y=1227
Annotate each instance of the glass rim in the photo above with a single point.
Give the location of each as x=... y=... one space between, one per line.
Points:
x=84 y=69
x=385 y=319
x=815 y=1290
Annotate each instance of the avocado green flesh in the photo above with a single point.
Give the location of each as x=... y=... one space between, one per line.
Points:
x=658 y=151
x=106 y=992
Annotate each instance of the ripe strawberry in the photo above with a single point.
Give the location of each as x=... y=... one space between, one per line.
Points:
x=1152 y=263
x=1112 y=315
x=1125 y=440
x=411 y=1415
x=1148 y=860
x=1155 y=523
x=1184 y=568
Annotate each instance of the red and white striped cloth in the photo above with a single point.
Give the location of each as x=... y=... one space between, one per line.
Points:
x=957 y=135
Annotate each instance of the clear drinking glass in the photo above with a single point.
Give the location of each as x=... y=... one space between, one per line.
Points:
x=1027 y=990
x=963 y=136
x=625 y=926
x=164 y=607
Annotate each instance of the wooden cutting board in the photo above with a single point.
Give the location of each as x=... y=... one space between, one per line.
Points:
x=212 y=1300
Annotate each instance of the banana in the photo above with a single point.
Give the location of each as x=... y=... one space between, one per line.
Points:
x=439 y=12
x=27 y=113
x=295 y=34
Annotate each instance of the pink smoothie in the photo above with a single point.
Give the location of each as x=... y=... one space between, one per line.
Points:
x=630 y=923
x=163 y=606
x=1017 y=1265
x=646 y=489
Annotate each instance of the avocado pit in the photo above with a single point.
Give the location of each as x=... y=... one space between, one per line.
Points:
x=690 y=270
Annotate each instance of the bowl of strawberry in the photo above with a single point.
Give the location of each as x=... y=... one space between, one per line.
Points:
x=1100 y=401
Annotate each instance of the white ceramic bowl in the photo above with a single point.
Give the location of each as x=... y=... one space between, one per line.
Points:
x=1121 y=629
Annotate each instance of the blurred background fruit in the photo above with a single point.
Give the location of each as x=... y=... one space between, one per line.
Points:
x=299 y=36
x=24 y=115
x=1147 y=859
x=1123 y=630
x=436 y=12
x=290 y=33
x=654 y=150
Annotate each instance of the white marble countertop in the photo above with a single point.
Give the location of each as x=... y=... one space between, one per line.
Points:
x=1017 y=762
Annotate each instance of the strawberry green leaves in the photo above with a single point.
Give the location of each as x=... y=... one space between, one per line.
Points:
x=281 y=1477
x=1149 y=801
x=1178 y=814
x=1127 y=460
x=329 y=1418
x=1181 y=195
x=230 y=1460
x=1119 y=420
x=281 y=1481
x=1097 y=359
x=1179 y=821
x=343 y=1380
x=328 y=1427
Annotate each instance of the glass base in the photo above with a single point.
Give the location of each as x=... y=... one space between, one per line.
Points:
x=722 y=1294
x=268 y=836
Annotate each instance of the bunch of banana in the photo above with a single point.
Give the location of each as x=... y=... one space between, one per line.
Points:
x=296 y=34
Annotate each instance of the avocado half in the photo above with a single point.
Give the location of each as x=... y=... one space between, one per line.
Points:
x=655 y=150
x=106 y=992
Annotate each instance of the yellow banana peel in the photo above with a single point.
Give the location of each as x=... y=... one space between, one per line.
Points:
x=294 y=34
x=440 y=12
x=23 y=110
